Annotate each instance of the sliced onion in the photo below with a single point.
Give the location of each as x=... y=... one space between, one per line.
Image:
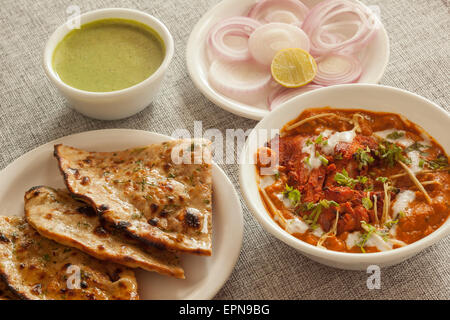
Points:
x=337 y=69
x=332 y=16
x=286 y=11
x=282 y=94
x=232 y=27
x=242 y=81
x=270 y=38
x=332 y=37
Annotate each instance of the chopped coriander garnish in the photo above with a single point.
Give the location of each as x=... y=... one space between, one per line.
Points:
x=366 y=236
x=306 y=160
x=440 y=162
x=343 y=179
x=323 y=160
x=277 y=175
x=364 y=158
x=316 y=211
x=391 y=153
x=390 y=223
x=338 y=156
x=367 y=203
x=382 y=179
x=395 y=135
x=421 y=163
x=370 y=230
x=293 y=195
x=135 y=216
x=143 y=183
x=416 y=146
x=362 y=179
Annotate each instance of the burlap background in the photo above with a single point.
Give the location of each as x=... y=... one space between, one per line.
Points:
x=33 y=113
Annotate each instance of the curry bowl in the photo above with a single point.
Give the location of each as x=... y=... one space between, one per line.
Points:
x=371 y=98
x=114 y=104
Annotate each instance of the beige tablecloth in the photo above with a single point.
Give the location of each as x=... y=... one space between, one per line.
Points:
x=33 y=113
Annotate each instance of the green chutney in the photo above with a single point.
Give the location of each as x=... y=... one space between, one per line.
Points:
x=108 y=55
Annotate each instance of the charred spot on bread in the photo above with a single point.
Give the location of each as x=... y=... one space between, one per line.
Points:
x=191 y=218
x=4 y=238
x=86 y=210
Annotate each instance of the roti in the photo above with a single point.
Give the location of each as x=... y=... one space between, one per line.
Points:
x=5 y=293
x=57 y=216
x=37 y=268
x=160 y=194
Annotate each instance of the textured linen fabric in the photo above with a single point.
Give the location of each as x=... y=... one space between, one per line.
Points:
x=33 y=113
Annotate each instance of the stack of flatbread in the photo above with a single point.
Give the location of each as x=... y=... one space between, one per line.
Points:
x=137 y=208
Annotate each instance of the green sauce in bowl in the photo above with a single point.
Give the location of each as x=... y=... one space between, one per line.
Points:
x=108 y=55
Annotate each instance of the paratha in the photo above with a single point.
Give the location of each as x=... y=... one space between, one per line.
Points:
x=159 y=194
x=37 y=268
x=57 y=216
x=5 y=293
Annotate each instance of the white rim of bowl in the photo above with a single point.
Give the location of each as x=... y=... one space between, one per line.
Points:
x=49 y=50
x=273 y=228
x=236 y=107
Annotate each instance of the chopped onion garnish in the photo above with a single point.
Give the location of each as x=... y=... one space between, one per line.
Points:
x=337 y=69
x=286 y=11
x=270 y=38
x=241 y=27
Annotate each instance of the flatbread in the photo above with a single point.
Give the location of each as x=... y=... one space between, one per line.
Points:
x=159 y=194
x=57 y=216
x=37 y=268
x=5 y=293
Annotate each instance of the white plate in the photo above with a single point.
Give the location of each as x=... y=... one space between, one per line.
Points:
x=432 y=118
x=374 y=58
x=204 y=275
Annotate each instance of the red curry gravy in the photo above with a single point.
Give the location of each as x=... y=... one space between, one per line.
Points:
x=354 y=180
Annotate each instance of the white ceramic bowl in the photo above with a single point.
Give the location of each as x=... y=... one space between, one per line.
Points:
x=116 y=104
x=425 y=113
x=374 y=57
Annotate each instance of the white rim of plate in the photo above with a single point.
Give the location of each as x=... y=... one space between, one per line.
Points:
x=207 y=293
x=228 y=104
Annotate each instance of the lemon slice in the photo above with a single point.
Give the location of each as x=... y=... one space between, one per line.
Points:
x=293 y=67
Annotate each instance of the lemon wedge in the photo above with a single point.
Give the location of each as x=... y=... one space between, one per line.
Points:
x=293 y=67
